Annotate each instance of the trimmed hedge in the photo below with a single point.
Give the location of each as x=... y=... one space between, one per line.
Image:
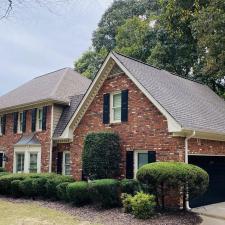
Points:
x=101 y=155
x=160 y=177
x=129 y=186
x=26 y=187
x=78 y=193
x=15 y=189
x=61 y=190
x=106 y=192
x=2 y=170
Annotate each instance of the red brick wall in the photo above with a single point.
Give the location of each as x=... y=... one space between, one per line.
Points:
x=8 y=140
x=146 y=128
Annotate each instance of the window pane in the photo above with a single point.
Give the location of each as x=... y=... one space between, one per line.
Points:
x=117 y=100
x=33 y=162
x=142 y=159
x=1 y=159
x=117 y=114
x=39 y=117
x=20 y=162
x=67 y=163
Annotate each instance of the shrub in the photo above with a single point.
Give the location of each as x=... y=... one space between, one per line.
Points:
x=101 y=155
x=4 y=173
x=143 y=205
x=126 y=201
x=5 y=182
x=15 y=188
x=129 y=186
x=26 y=187
x=39 y=186
x=160 y=177
x=105 y=192
x=51 y=184
x=61 y=191
x=2 y=169
x=78 y=193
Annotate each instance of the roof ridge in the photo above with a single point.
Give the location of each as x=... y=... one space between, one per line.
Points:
x=172 y=73
x=46 y=74
x=59 y=81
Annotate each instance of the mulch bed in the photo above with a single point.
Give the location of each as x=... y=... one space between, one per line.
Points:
x=114 y=216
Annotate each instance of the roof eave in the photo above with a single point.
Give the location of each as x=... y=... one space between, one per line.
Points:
x=32 y=104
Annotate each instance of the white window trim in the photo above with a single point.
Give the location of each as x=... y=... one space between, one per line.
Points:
x=37 y=119
x=20 y=126
x=27 y=150
x=63 y=162
x=1 y=125
x=3 y=162
x=111 y=107
x=136 y=160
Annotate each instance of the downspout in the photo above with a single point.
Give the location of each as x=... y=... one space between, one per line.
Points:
x=186 y=161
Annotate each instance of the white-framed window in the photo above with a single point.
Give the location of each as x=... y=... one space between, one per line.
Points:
x=27 y=159
x=66 y=168
x=115 y=107
x=1 y=125
x=20 y=122
x=140 y=159
x=39 y=119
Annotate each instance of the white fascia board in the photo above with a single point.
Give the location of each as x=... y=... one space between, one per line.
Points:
x=173 y=125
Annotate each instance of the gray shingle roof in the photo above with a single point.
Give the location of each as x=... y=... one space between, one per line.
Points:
x=193 y=105
x=67 y=114
x=58 y=86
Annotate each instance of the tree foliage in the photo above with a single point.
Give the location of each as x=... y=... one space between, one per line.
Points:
x=184 y=37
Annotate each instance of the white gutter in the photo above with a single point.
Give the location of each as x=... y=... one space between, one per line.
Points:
x=186 y=161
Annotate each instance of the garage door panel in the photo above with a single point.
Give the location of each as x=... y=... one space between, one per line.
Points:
x=215 y=167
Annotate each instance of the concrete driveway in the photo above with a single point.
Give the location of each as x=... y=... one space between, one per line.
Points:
x=212 y=214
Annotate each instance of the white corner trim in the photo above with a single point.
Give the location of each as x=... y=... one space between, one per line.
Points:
x=173 y=125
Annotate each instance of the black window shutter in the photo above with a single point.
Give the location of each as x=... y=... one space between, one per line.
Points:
x=59 y=162
x=1 y=159
x=130 y=165
x=15 y=122
x=24 y=121
x=33 y=119
x=3 y=124
x=106 y=108
x=44 y=119
x=151 y=156
x=124 y=106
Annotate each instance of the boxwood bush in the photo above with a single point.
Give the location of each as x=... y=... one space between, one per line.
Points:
x=2 y=170
x=78 y=193
x=141 y=205
x=101 y=155
x=61 y=190
x=106 y=192
x=129 y=186
x=160 y=177
x=26 y=187
x=15 y=189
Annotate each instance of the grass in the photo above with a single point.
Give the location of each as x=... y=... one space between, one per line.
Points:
x=34 y=214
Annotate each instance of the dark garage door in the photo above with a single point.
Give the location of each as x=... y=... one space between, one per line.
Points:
x=215 y=166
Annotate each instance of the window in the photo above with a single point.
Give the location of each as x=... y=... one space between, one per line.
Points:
x=20 y=122
x=33 y=162
x=27 y=159
x=39 y=119
x=20 y=162
x=115 y=103
x=66 y=163
x=140 y=159
x=1 y=125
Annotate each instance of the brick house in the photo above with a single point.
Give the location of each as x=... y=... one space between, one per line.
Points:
x=159 y=116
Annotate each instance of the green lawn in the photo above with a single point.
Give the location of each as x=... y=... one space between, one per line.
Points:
x=33 y=214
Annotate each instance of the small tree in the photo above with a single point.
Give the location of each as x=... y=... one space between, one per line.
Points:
x=161 y=177
x=101 y=155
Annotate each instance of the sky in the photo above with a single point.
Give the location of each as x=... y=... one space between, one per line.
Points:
x=37 y=39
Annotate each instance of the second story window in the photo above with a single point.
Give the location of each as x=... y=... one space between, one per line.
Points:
x=115 y=107
x=39 y=117
x=20 y=122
